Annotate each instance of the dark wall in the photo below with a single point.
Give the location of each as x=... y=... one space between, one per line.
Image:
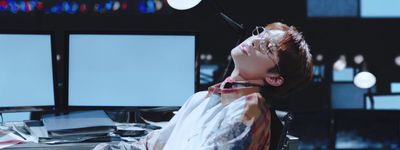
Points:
x=375 y=38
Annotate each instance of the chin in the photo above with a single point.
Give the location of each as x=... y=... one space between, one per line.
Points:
x=236 y=52
x=238 y=59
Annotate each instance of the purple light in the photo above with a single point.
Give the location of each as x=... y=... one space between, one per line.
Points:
x=28 y=6
x=142 y=7
x=98 y=8
x=4 y=4
x=13 y=6
x=76 y=6
x=56 y=8
x=116 y=5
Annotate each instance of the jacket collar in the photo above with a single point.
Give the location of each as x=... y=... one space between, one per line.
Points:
x=232 y=93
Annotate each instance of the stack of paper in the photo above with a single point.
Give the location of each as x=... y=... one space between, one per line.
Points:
x=8 y=138
x=79 y=123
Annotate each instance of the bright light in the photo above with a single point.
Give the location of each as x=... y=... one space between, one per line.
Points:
x=209 y=57
x=116 y=6
x=58 y=57
x=108 y=5
x=159 y=4
x=340 y=64
x=358 y=59
x=397 y=60
x=364 y=80
x=202 y=57
x=183 y=4
x=319 y=57
x=229 y=58
x=75 y=7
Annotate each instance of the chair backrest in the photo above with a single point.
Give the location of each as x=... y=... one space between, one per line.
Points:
x=283 y=140
x=276 y=130
x=280 y=122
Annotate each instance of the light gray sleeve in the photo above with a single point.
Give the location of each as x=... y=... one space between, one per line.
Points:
x=156 y=139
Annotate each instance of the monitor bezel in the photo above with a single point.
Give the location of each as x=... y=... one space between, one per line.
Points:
x=47 y=108
x=129 y=32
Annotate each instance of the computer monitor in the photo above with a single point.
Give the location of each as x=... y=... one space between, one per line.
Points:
x=130 y=70
x=395 y=87
x=26 y=72
x=332 y=8
x=207 y=73
x=345 y=95
x=380 y=9
x=345 y=75
x=383 y=102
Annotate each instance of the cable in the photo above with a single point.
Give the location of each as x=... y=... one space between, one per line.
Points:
x=237 y=27
x=128 y=114
x=2 y=121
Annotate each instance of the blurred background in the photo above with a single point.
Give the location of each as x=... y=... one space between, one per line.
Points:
x=347 y=37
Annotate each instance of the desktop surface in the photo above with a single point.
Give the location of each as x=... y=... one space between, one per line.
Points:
x=127 y=132
x=67 y=146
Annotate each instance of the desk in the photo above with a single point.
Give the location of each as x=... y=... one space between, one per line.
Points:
x=65 y=146
x=68 y=146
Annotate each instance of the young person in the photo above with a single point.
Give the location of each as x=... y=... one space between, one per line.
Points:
x=233 y=114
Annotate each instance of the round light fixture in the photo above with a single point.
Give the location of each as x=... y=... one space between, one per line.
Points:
x=319 y=57
x=183 y=4
x=358 y=59
x=209 y=57
x=340 y=64
x=364 y=80
x=397 y=60
x=202 y=56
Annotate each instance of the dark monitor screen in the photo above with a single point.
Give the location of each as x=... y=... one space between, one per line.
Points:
x=353 y=8
x=130 y=70
x=332 y=8
x=26 y=72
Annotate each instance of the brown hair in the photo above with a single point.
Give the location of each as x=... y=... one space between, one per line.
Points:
x=295 y=61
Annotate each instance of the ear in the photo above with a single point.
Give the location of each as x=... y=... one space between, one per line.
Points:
x=274 y=80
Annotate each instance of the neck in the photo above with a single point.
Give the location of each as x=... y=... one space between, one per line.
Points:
x=237 y=76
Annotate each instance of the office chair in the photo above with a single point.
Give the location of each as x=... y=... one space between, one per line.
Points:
x=280 y=139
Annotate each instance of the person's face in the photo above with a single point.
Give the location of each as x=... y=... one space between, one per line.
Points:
x=258 y=53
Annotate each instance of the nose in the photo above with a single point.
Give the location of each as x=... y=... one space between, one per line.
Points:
x=255 y=43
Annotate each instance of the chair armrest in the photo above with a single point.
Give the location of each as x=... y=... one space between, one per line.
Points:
x=292 y=142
